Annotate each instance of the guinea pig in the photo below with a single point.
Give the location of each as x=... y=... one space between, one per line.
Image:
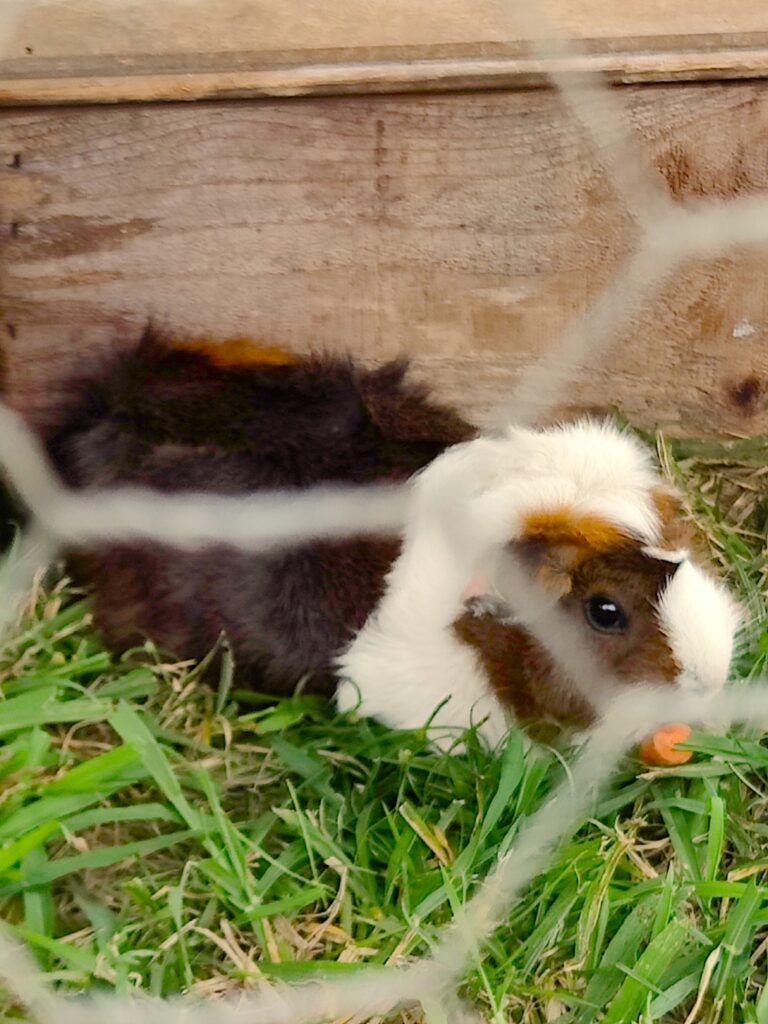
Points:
x=540 y=572
x=537 y=571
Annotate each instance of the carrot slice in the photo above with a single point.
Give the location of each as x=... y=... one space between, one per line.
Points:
x=659 y=749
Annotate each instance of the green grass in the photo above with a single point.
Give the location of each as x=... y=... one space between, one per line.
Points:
x=157 y=835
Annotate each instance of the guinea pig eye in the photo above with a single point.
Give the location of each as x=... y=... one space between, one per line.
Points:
x=605 y=615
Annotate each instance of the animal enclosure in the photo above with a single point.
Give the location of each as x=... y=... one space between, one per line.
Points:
x=463 y=229
x=382 y=180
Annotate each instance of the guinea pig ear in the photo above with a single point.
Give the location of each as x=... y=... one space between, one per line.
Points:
x=675 y=529
x=664 y=563
x=552 y=564
x=673 y=558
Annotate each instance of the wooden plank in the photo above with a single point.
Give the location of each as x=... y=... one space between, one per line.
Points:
x=85 y=82
x=109 y=51
x=465 y=230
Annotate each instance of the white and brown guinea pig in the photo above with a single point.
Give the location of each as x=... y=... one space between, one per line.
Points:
x=533 y=565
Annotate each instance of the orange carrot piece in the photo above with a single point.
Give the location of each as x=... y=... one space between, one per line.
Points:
x=659 y=749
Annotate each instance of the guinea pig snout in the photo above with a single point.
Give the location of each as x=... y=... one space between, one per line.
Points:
x=699 y=686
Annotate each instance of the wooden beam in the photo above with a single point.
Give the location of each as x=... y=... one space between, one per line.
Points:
x=107 y=51
x=465 y=230
x=85 y=82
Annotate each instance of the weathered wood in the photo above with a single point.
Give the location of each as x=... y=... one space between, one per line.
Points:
x=464 y=230
x=86 y=82
x=140 y=50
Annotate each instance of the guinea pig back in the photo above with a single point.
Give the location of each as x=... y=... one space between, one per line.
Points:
x=235 y=418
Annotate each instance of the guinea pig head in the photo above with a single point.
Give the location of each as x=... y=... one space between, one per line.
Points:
x=642 y=612
x=602 y=588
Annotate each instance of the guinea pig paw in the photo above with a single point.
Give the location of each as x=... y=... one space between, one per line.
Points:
x=482 y=605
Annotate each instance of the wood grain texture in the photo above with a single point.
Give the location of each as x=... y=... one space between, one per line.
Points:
x=117 y=50
x=464 y=230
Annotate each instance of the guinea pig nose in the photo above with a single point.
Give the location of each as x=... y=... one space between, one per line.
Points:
x=698 y=685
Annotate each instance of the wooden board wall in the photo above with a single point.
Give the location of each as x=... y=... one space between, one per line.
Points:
x=110 y=50
x=462 y=229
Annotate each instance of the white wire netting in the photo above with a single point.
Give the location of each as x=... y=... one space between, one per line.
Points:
x=669 y=233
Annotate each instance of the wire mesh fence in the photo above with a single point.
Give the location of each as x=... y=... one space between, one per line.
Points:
x=669 y=233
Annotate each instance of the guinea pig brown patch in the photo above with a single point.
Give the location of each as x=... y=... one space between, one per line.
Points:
x=635 y=581
x=238 y=352
x=522 y=674
x=564 y=526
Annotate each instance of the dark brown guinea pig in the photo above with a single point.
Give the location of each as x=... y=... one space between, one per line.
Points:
x=235 y=418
